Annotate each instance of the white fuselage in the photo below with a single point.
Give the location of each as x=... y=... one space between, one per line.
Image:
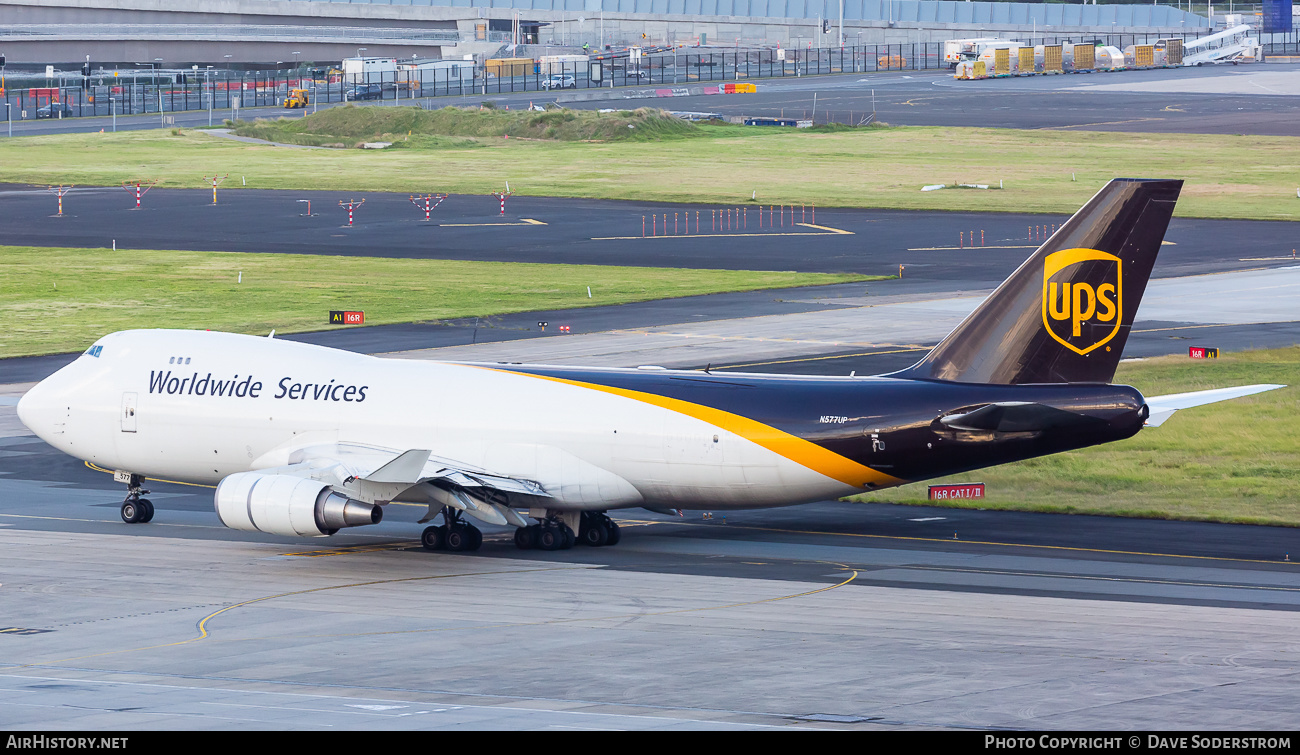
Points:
x=198 y=406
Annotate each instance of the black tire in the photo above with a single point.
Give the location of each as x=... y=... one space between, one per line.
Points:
x=548 y=539
x=614 y=534
x=569 y=537
x=526 y=538
x=457 y=538
x=131 y=511
x=432 y=539
x=475 y=538
x=595 y=534
x=147 y=515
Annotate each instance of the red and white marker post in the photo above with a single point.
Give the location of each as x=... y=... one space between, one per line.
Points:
x=351 y=204
x=60 y=191
x=140 y=188
x=502 y=196
x=216 y=180
x=430 y=202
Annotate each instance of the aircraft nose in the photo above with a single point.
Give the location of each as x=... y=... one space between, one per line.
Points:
x=38 y=409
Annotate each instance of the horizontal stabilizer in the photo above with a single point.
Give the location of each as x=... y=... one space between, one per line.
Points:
x=1163 y=407
x=1014 y=417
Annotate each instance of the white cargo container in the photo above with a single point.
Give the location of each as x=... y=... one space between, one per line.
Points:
x=412 y=74
x=369 y=70
x=1109 y=58
x=561 y=64
x=957 y=50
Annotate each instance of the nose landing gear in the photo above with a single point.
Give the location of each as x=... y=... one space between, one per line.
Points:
x=136 y=510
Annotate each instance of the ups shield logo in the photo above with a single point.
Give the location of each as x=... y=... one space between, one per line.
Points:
x=1083 y=300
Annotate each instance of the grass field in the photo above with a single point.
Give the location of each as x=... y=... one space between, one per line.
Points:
x=58 y=300
x=1235 y=461
x=1227 y=176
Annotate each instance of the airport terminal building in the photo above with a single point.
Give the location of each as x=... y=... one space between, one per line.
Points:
x=263 y=32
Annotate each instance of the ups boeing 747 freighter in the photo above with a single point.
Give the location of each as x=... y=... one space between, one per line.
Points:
x=302 y=440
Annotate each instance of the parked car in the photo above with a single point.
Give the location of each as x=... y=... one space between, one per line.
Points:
x=55 y=110
x=364 y=92
x=637 y=74
x=560 y=81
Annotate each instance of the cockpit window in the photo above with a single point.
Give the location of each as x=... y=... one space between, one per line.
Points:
x=95 y=350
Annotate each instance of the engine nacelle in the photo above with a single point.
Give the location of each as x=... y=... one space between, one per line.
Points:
x=288 y=505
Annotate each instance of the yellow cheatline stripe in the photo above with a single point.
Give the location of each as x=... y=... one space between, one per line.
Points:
x=98 y=468
x=790 y=446
x=818 y=359
x=1264 y=259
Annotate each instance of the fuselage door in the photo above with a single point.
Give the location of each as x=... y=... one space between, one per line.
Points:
x=128 y=412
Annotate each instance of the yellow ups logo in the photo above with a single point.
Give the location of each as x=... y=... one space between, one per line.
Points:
x=1082 y=295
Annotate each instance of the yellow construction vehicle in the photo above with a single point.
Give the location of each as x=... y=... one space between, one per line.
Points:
x=296 y=98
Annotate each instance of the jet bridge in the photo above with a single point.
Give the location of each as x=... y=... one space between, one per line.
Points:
x=1229 y=46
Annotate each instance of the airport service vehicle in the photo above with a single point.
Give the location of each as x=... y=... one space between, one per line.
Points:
x=55 y=110
x=364 y=92
x=297 y=98
x=557 y=81
x=302 y=440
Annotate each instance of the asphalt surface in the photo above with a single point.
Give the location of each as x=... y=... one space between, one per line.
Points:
x=1234 y=104
x=931 y=245
x=866 y=616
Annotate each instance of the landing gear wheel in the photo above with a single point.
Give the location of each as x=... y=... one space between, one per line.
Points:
x=476 y=538
x=549 y=538
x=457 y=538
x=569 y=537
x=595 y=534
x=526 y=537
x=614 y=534
x=432 y=538
x=147 y=515
x=131 y=512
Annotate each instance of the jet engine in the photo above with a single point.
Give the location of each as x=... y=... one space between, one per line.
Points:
x=288 y=505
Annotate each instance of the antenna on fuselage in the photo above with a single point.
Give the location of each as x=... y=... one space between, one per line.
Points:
x=272 y=333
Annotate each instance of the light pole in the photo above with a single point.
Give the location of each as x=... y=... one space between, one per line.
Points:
x=112 y=109
x=9 y=119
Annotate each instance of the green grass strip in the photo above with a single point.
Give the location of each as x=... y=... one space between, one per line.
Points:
x=1041 y=171
x=57 y=300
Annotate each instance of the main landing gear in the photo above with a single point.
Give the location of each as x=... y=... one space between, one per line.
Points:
x=136 y=510
x=454 y=535
x=594 y=529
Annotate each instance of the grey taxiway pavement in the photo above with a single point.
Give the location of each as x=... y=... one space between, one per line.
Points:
x=832 y=614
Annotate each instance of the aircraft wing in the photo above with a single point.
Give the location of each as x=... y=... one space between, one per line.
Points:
x=1163 y=407
x=377 y=475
